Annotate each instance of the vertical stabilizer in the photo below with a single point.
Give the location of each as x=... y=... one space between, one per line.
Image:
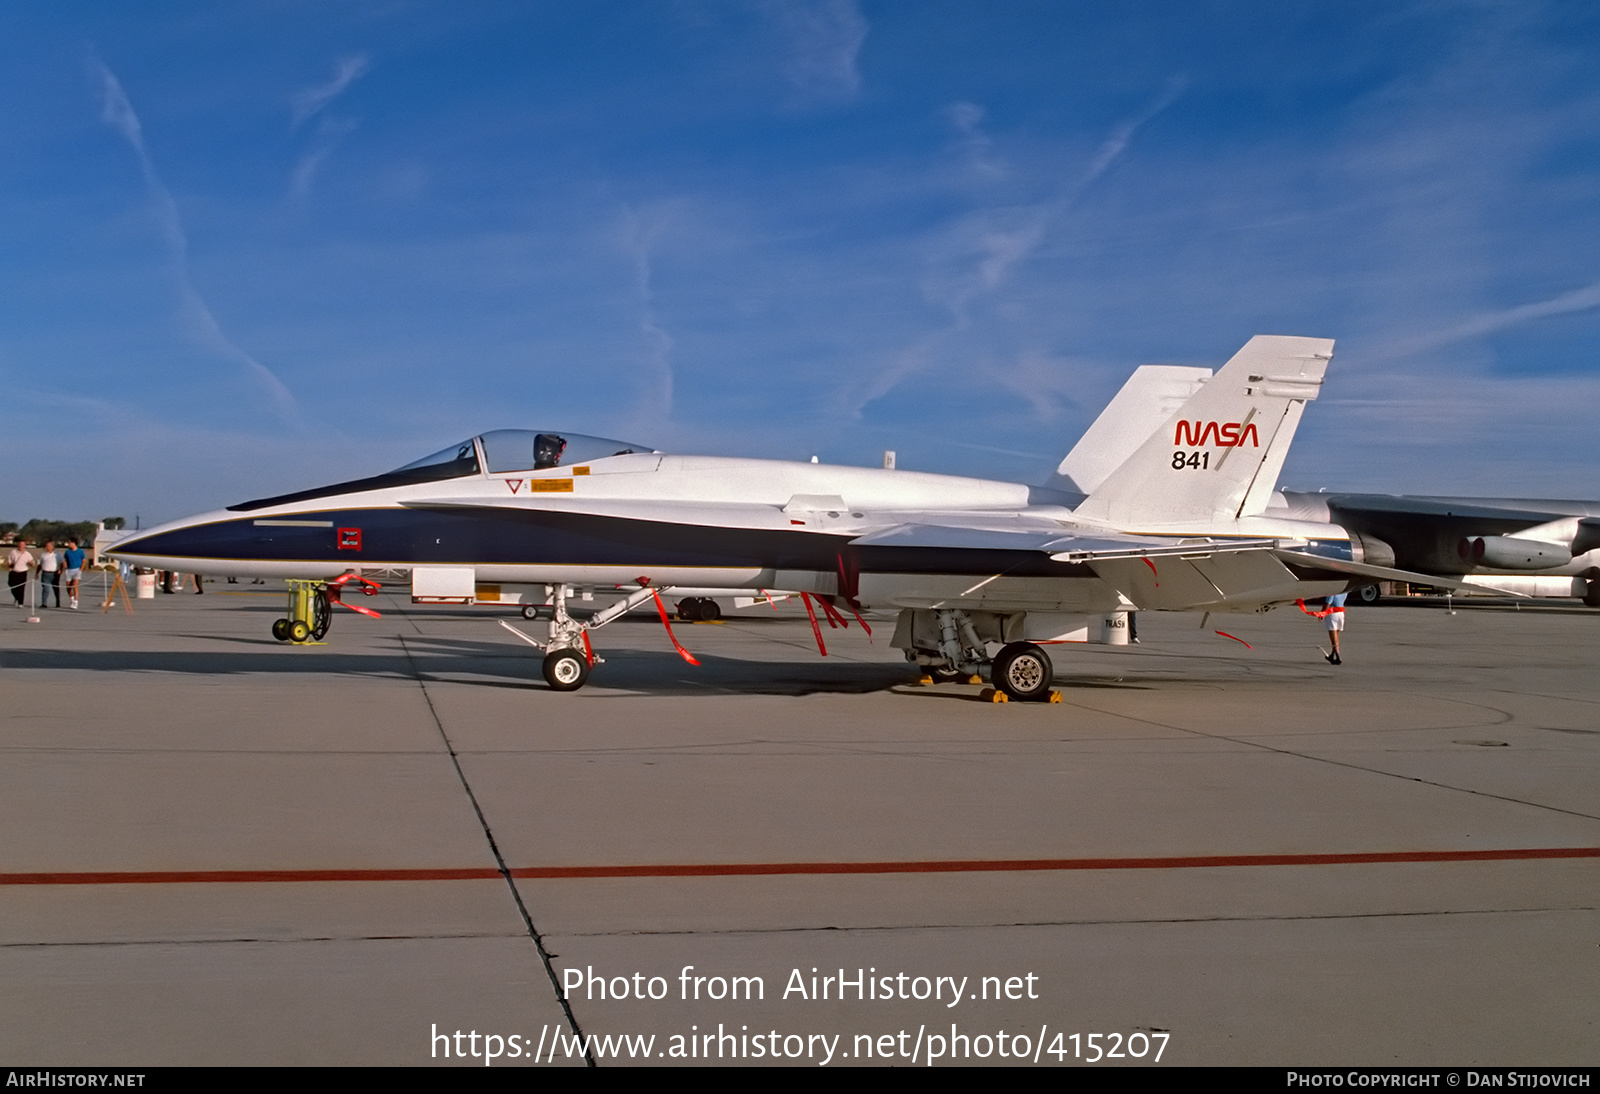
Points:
x=1220 y=455
x=1151 y=396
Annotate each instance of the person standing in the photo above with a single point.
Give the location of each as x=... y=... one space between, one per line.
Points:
x=1333 y=618
x=18 y=563
x=74 y=557
x=49 y=574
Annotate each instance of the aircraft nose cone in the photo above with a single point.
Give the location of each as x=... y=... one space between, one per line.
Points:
x=191 y=538
x=127 y=544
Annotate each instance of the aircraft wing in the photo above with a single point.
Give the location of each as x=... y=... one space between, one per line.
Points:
x=1434 y=536
x=1516 y=512
x=1210 y=575
x=966 y=537
x=1362 y=569
x=1050 y=538
x=1150 y=572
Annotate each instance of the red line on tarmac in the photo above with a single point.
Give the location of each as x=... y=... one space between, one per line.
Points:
x=757 y=869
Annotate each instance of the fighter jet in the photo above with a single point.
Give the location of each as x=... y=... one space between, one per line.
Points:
x=1532 y=547
x=982 y=574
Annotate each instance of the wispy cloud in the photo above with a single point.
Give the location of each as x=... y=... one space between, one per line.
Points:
x=310 y=102
x=642 y=229
x=974 y=143
x=199 y=324
x=998 y=239
x=1122 y=135
x=824 y=39
x=331 y=132
x=1003 y=250
x=1479 y=436
x=979 y=253
x=1567 y=303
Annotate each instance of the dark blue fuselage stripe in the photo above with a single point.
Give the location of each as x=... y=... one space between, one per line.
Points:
x=486 y=537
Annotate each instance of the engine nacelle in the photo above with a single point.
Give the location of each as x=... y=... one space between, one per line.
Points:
x=1371 y=550
x=1511 y=553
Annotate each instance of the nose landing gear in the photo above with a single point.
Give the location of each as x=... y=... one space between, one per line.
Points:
x=568 y=655
x=566 y=670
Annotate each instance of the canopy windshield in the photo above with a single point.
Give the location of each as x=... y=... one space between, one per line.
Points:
x=528 y=450
x=458 y=459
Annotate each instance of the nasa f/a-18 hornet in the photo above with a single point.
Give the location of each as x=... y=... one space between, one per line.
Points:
x=1531 y=547
x=1182 y=523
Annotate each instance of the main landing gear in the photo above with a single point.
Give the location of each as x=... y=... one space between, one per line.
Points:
x=1023 y=671
x=310 y=611
x=1020 y=671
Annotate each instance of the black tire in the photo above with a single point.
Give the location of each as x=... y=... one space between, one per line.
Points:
x=688 y=610
x=944 y=675
x=1369 y=594
x=565 y=670
x=1023 y=671
x=530 y=611
x=299 y=631
x=710 y=611
x=321 y=615
x=280 y=629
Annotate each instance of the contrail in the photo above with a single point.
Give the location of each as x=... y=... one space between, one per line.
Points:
x=199 y=322
x=999 y=250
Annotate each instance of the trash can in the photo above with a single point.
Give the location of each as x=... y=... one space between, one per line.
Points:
x=1114 y=629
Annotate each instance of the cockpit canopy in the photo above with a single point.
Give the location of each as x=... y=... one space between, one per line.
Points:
x=519 y=450
x=525 y=450
x=449 y=463
x=503 y=450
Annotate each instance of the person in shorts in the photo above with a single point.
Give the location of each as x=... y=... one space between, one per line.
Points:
x=73 y=557
x=1333 y=618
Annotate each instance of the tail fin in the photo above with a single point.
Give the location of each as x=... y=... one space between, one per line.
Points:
x=1152 y=395
x=1221 y=457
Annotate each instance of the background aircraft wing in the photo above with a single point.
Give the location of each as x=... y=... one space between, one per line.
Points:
x=1362 y=569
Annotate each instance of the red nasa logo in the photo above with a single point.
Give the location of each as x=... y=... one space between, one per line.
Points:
x=1223 y=434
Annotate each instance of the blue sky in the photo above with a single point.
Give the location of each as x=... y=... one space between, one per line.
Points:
x=251 y=247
